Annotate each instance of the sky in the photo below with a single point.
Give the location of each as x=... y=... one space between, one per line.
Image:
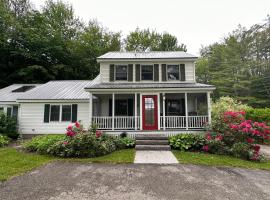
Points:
x=195 y=23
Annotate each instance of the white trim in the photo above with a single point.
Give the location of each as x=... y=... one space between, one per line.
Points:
x=141 y=116
x=186 y=110
x=163 y=107
x=113 y=109
x=158 y=60
x=135 y=110
x=209 y=108
x=167 y=90
x=158 y=104
x=90 y=108
x=53 y=101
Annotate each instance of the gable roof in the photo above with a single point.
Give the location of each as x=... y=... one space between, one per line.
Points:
x=9 y=94
x=60 y=90
x=118 y=55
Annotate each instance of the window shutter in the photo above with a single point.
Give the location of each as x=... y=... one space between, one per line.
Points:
x=130 y=107
x=130 y=72
x=182 y=72
x=156 y=72
x=110 y=107
x=111 y=73
x=164 y=72
x=138 y=72
x=46 y=113
x=74 y=112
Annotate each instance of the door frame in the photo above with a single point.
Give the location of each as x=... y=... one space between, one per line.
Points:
x=158 y=109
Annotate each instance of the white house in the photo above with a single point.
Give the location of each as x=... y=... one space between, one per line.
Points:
x=135 y=92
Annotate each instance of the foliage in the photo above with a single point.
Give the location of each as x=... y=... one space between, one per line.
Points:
x=241 y=150
x=41 y=144
x=239 y=65
x=8 y=126
x=258 y=114
x=186 y=142
x=124 y=142
x=220 y=107
x=146 y=40
x=3 y=140
x=198 y=158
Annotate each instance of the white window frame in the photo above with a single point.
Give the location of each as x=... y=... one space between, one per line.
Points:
x=115 y=72
x=179 y=73
x=141 y=72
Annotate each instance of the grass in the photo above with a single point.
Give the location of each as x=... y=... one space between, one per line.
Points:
x=13 y=162
x=218 y=160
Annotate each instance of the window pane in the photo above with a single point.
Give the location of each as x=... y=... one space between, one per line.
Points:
x=55 y=113
x=173 y=72
x=9 y=110
x=121 y=107
x=149 y=111
x=120 y=72
x=66 y=113
x=147 y=72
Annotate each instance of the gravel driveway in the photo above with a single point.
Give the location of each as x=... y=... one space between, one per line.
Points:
x=65 y=180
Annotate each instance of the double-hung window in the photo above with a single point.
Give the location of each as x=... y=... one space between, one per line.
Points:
x=66 y=112
x=55 y=113
x=121 y=72
x=173 y=72
x=147 y=72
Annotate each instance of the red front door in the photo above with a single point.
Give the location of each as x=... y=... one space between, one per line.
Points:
x=149 y=112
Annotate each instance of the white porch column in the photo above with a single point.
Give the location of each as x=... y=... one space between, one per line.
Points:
x=113 y=110
x=163 y=110
x=186 y=110
x=209 y=109
x=136 y=111
x=90 y=109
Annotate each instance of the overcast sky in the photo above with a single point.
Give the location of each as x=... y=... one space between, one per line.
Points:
x=194 y=22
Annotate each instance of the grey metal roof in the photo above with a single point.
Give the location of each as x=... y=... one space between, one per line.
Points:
x=147 y=55
x=60 y=90
x=6 y=94
x=148 y=85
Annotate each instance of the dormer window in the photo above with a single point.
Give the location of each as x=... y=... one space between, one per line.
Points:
x=121 y=72
x=147 y=72
x=173 y=72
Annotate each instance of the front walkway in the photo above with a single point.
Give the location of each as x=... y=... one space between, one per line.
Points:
x=155 y=157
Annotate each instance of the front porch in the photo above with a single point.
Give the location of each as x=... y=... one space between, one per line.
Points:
x=150 y=111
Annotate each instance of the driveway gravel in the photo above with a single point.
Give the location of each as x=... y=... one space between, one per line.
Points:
x=69 y=181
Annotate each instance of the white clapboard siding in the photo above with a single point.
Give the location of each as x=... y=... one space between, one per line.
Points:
x=32 y=114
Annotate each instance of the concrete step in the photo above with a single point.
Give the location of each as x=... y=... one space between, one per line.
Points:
x=152 y=142
x=151 y=137
x=153 y=147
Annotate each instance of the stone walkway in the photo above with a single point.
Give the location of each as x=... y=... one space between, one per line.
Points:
x=265 y=150
x=155 y=157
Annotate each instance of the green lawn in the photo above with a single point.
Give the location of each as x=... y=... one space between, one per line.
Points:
x=217 y=160
x=14 y=163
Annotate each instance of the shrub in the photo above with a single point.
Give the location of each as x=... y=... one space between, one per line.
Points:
x=241 y=150
x=8 y=126
x=41 y=144
x=258 y=114
x=3 y=140
x=186 y=142
x=221 y=106
x=124 y=142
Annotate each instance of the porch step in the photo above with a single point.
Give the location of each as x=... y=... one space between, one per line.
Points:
x=151 y=137
x=153 y=147
x=152 y=142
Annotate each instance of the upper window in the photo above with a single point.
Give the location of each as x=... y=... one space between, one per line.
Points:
x=55 y=113
x=121 y=72
x=173 y=72
x=66 y=113
x=147 y=72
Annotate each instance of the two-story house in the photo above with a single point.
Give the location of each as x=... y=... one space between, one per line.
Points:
x=134 y=92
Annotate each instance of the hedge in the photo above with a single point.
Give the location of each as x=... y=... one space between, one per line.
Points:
x=258 y=114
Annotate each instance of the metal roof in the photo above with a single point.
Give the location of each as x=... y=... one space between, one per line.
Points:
x=6 y=94
x=148 y=85
x=60 y=90
x=147 y=55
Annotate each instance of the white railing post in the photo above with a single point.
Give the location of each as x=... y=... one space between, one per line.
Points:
x=186 y=110
x=113 y=110
x=209 y=107
x=90 y=109
x=163 y=110
x=135 y=111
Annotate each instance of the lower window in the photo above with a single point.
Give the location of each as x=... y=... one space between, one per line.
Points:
x=66 y=113
x=55 y=113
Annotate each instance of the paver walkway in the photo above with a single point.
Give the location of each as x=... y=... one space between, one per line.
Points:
x=265 y=149
x=155 y=157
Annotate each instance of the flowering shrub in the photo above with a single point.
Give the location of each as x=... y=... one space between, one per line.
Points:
x=237 y=137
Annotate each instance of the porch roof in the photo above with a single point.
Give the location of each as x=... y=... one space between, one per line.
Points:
x=149 y=86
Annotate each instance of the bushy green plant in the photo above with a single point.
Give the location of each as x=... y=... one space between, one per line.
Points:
x=258 y=114
x=221 y=106
x=8 y=126
x=186 y=142
x=3 y=140
x=124 y=142
x=41 y=144
x=241 y=150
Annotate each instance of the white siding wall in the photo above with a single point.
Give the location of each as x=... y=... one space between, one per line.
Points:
x=190 y=69
x=32 y=114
